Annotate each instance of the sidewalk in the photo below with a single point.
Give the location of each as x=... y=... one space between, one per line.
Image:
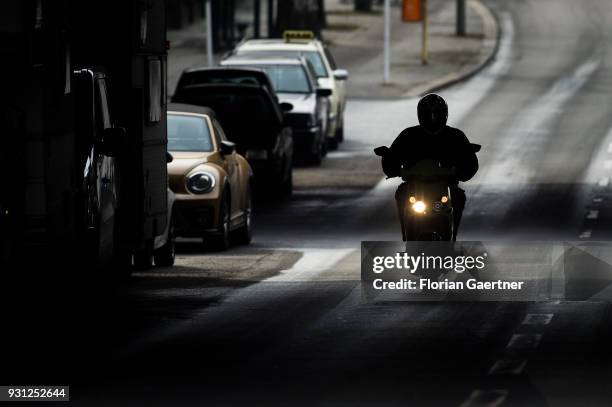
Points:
x=356 y=40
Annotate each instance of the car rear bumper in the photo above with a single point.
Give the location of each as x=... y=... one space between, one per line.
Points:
x=305 y=140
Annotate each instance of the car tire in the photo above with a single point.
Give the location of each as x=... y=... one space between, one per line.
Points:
x=244 y=234
x=315 y=158
x=286 y=187
x=340 y=133
x=122 y=256
x=165 y=255
x=324 y=147
x=221 y=240
x=332 y=143
x=143 y=258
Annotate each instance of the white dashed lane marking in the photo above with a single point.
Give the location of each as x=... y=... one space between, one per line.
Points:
x=524 y=341
x=585 y=235
x=537 y=319
x=508 y=367
x=592 y=214
x=486 y=398
x=604 y=182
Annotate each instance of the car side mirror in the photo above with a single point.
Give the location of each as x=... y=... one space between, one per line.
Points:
x=286 y=107
x=112 y=141
x=227 y=147
x=169 y=158
x=341 y=74
x=324 y=92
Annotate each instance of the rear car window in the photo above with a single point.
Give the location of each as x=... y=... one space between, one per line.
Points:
x=188 y=133
x=313 y=56
x=287 y=78
x=208 y=79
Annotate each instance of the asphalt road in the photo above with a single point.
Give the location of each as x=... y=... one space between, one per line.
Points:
x=283 y=322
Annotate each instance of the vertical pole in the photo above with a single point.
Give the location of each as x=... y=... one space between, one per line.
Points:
x=270 y=18
x=256 y=18
x=209 y=33
x=387 y=51
x=425 y=35
x=461 y=18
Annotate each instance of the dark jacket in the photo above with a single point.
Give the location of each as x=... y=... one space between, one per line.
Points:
x=451 y=147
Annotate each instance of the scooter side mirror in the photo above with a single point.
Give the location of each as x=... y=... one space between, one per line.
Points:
x=382 y=151
x=475 y=147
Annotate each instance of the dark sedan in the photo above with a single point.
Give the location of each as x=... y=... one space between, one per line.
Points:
x=295 y=82
x=254 y=120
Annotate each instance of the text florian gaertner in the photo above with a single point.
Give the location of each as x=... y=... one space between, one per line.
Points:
x=403 y=262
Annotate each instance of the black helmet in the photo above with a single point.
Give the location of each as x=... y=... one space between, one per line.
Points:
x=433 y=113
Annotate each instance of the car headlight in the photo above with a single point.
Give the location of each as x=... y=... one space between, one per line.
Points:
x=200 y=182
x=419 y=206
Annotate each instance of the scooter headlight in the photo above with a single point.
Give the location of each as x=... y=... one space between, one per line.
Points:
x=412 y=199
x=444 y=199
x=419 y=206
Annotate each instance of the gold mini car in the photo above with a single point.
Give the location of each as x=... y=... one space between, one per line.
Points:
x=211 y=181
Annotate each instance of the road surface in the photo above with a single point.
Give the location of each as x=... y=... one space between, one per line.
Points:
x=283 y=322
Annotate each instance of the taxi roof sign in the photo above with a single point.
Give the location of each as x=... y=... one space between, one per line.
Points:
x=298 y=35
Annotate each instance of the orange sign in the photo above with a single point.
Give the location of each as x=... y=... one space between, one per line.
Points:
x=412 y=11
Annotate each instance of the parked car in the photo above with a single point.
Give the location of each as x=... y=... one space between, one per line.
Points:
x=97 y=145
x=100 y=144
x=303 y=43
x=212 y=182
x=253 y=119
x=295 y=82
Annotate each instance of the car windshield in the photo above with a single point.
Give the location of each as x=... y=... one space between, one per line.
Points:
x=312 y=56
x=188 y=133
x=287 y=78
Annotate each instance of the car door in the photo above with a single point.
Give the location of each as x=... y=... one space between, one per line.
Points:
x=106 y=170
x=230 y=164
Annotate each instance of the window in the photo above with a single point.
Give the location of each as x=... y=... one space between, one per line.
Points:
x=287 y=78
x=219 y=131
x=188 y=133
x=312 y=56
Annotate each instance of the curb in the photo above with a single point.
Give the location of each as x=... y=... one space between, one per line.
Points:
x=452 y=79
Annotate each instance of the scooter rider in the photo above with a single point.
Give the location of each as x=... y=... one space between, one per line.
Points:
x=433 y=139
